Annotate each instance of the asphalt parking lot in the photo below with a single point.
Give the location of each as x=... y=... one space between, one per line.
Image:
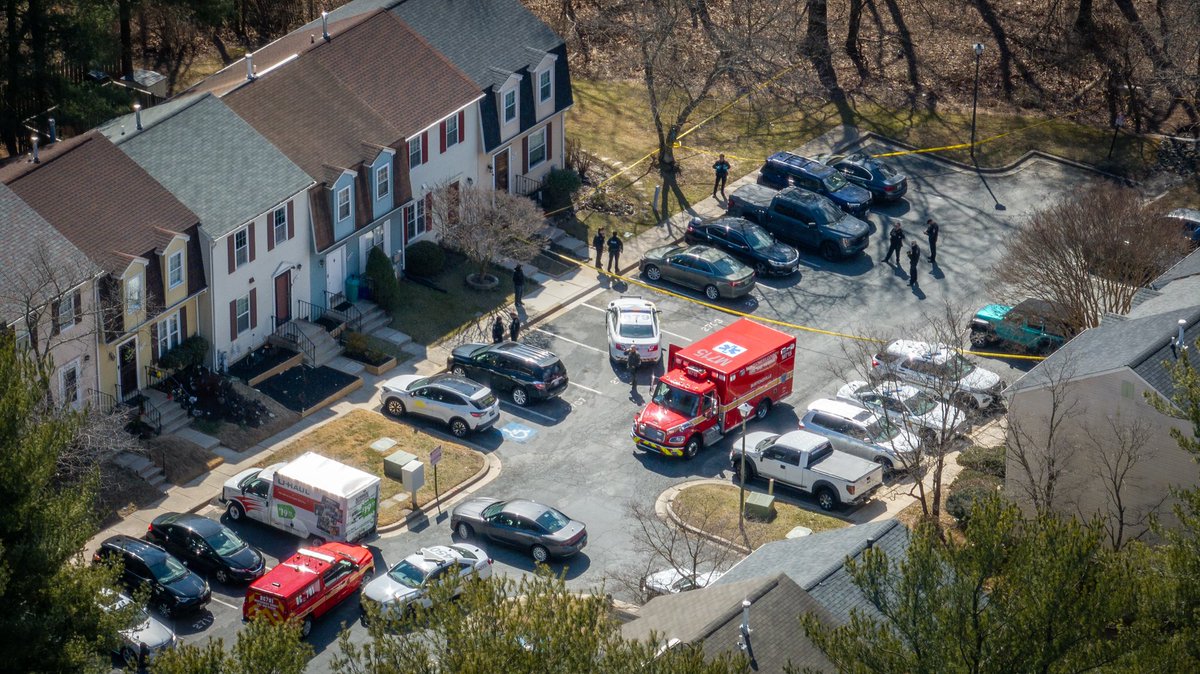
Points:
x=575 y=452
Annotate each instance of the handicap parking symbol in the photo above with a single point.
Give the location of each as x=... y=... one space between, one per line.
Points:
x=517 y=432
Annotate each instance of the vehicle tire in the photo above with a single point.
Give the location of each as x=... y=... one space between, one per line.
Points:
x=888 y=468
x=981 y=338
x=459 y=428
x=653 y=273
x=711 y=292
x=459 y=370
x=165 y=609
x=826 y=498
x=692 y=447
x=315 y=541
x=829 y=251
x=1044 y=347
x=750 y=471
x=130 y=656
x=306 y=627
x=235 y=511
x=520 y=396
x=540 y=554
x=761 y=268
x=222 y=576
x=367 y=576
x=464 y=530
x=394 y=407
x=762 y=409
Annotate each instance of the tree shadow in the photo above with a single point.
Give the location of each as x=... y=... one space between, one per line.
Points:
x=1007 y=60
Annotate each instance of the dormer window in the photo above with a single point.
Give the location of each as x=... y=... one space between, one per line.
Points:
x=510 y=105
x=343 y=203
x=545 y=86
x=175 y=270
x=133 y=294
x=383 y=181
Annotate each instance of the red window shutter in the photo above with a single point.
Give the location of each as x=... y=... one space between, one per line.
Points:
x=271 y=231
x=424 y=146
x=250 y=235
x=429 y=212
x=442 y=135
x=462 y=125
x=232 y=258
x=154 y=341
x=525 y=154
x=291 y=217
x=253 y=308
x=183 y=333
x=54 y=306
x=549 y=144
x=233 y=320
x=78 y=307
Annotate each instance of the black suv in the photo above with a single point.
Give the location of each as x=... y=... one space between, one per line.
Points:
x=208 y=546
x=784 y=168
x=173 y=589
x=527 y=372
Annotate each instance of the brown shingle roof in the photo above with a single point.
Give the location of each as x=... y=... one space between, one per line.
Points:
x=100 y=200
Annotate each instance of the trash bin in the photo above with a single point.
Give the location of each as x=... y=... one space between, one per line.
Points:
x=352 y=288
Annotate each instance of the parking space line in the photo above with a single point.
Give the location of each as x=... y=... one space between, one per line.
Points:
x=585 y=304
x=673 y=334
x=585 y=388
x=526 y=410
x=225 y=603
x=569 y=340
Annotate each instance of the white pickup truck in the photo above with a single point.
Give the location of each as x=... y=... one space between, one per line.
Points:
x=806 y=461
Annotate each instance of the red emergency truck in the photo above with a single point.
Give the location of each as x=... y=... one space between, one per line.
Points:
x=697 y=400
x=309 y=584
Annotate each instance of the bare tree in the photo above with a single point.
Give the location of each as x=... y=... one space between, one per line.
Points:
x=1090 y=254
x=487 y=225
x=1040 y=447
x=1120 y=448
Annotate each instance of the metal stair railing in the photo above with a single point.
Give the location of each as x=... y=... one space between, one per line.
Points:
x=291 y=333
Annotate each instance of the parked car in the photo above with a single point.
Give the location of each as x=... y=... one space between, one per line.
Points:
x=1189 y=220
x=746 y=241
x=526 y=372
x=173 y=588
x=1033 y=326
x=146 y=636
x=674 y=581
x=699 y=267
x=406 y=585
x=802 y=218
x=633 y=321
x=808 y=462
x=856 y=430
x=910 y=406
x=207 y=546
x=784 y=168
x=940 y=370
x=874 y=175
x=465 y=406
x=540 y=529
x=309 y=584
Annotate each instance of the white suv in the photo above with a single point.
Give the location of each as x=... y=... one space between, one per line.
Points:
x=939 y=369
x=861 y=432
x=460 y=403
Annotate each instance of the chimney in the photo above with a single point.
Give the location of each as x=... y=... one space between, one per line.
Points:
x=53 y=131
x=249 y=66
x=870 y=542
x=34 y=138
x=137 y=116
x=325 y=25
x=1178 y=345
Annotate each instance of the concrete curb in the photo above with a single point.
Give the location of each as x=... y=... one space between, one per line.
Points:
x=490 y=471
x=662 y=506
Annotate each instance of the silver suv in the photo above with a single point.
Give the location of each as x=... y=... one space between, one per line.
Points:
x=460 y=403
x=939 y=369
x=861 y=432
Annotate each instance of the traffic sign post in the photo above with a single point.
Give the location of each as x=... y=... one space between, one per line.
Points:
x=435 y=457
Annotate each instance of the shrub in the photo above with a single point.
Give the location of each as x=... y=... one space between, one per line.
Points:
x=191 y=351
x=560 y=185
x=965 y=494
x=383 y=278
x=424 y=258
x=987 y=460
x=356 y=342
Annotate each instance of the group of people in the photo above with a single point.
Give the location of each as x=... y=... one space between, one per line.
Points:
x=896 y=243
x=614 y=246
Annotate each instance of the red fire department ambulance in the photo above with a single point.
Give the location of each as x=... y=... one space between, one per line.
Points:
x=696 y=401
x=309 y=584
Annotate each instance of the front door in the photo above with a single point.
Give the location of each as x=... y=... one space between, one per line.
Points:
x=283 y=298
x=127 y=369
x=500 y=166
x=335 y=271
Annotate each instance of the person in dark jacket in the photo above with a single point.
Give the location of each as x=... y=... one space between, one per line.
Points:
x=518 y=283
x=721 y=168
x=614 y=253
x=914 y=256
x=633 y=362
x=895 y=242
x=514 y=327
x=931 y=231
x=498 y=330
x=598 y=244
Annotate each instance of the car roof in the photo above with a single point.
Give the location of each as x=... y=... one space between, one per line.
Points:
x=1190 y=214
x=526 y=352
x=795 y=161
x=433 y=557
x=456 y=383
x=708 y=253
x=134 y=546
x=728 y=222
x=842 y=408
x=632 y=303
x=910 y=348
x=525 y=508
x=201 y=525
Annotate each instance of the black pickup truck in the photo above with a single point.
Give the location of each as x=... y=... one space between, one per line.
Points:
x=802 y=218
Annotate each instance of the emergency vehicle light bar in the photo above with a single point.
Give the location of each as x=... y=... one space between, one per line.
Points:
x=316 y=555
x=695 y=372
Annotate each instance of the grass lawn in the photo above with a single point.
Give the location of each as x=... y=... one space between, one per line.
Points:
x=713 y=508
x=347 y=439
x=428 y=315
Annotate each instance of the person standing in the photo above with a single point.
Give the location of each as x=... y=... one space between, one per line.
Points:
x=598 y=244
x=498 y=330
x=518 y=283
x=722 y=170
x=633 y=362
x=914 y=256
x=614 y=253
x=931 y=231
x=514 y=327
x=895 y=242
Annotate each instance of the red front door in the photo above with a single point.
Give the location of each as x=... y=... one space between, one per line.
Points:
x=283 y=298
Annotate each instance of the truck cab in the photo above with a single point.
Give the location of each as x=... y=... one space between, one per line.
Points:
x=802 y=218
x=1032 y=326
x=808 y=462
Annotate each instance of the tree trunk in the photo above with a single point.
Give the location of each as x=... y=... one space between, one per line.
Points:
x=852 y=48
x=226 y=59
x=1083 y=20
x=125 y=18
x=10 y=124
x=1163 y=66
x=816 y=44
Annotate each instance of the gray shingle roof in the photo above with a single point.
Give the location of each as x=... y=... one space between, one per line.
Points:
x=195 y=149
x=1188 y=266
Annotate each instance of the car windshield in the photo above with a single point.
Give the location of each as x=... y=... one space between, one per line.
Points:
x=636 y=330
x=882 y=169
x=681 y=402
x=491 y=510
x=418 y=384
x=407 y=574
x=960 y=366
x=167 y=569
x=834 y=182
x=920 y=403
x=826 y=212
x=225 y=542
x=758 y=238
x=881 y=431
x=552 y=520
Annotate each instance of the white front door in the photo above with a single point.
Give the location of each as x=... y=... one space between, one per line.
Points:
x=335 y=271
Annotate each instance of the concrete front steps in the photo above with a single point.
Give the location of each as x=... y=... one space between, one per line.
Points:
x=143 y=468
x=174 y=417
x=373 y=318
x=326 y=347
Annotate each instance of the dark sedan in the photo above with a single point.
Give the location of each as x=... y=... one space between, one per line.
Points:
x=173 y=588
x=874 y=175
x=746 y=241
x=699 y=267
x=207 y=546
x=784 y=168
x=525 y=525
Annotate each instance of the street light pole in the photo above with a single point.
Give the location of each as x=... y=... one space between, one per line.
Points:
x=975 y=98
x=745 y=409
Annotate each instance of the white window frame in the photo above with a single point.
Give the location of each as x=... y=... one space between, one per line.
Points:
x=279 y=222
x=415 y=151
x=546 y=88
x=173 y=282
x=504 y=107
x=66 y=312
x=238 y=314
x=452 y=131
x=133 y=294
x=241 y=252
x=540 y=133
x=414 y=219
x=343 y=200
x=375 y=237
x=72 y=366
x=383 y=181
x=170 y=334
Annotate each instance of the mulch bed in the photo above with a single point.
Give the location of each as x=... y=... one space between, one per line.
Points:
x=303 y=387
x=375 y=359
x=259 y=361
x=181 y=460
